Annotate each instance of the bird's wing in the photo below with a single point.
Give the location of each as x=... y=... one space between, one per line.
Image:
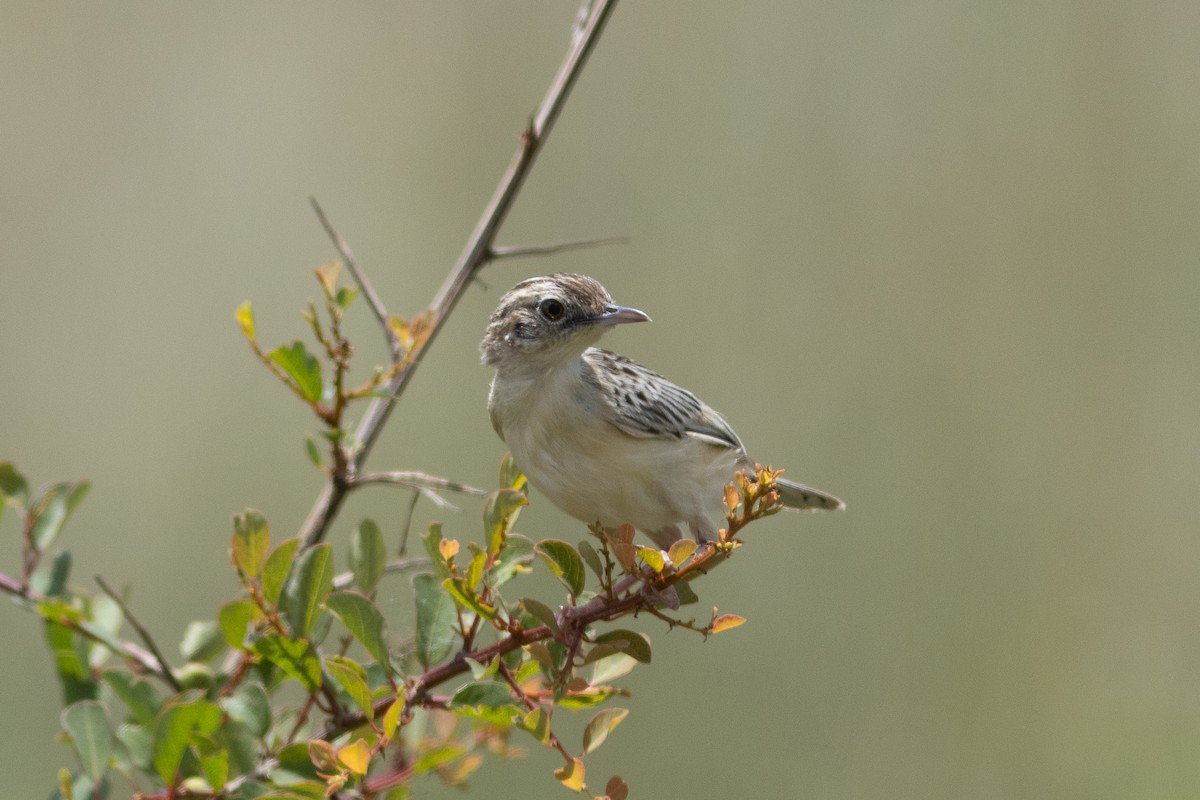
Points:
x=642 y=403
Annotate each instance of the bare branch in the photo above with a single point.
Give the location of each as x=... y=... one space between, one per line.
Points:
x=474 y=256
x=360 y=277
x=550 y=249
x=163 y=670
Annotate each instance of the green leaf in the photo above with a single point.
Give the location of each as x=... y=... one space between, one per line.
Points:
x=251 y=538
x=277 y=569
x=59 y=572
x=53 y=509
x=510 y=474
x=250 y=705
x=591 y=557
x=438 y=756
x=214 y=761
x=87 y=724
x=201 y=641
x=245 y=317
x=479 y=670
x=295 y=657
x=468 y=599
x=600 y=726
x=363 y=620
x=310 y=584
x=70 y=653
x=301 y=367
x=537 y=722
x=138 y=745
x=631 y=643
x=564 y=562
x=499 y=514
x=542 y=612
x=14 y=489
x=492 y=702
x=242 y=745
x=609 y=669
x=345 y=296
x=367 y=555
x=513 y=560
x=138 y=695
x=353 y=678
x=310 y=447
x=234 y=620
x=435 y=619
x=178 y=724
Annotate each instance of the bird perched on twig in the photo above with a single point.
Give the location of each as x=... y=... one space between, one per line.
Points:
x=604 y=438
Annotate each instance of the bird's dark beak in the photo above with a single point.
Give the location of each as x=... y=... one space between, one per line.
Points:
x=616 y=315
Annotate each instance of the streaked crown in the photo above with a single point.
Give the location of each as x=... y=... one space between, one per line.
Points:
x=551 y=317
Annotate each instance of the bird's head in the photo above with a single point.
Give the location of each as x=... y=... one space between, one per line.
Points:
x=542 y=321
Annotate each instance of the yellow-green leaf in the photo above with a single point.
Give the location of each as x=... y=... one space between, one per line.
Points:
x=302 y=367
x=278 y=567
x=499 y=514
x=564 y=562
x=245 y=318
x=600 y=725
x=571 y=775
x=511 y=476
x=391 y=718
x=327 y=276
x=653 y=558
x=251 y=539
x=352 y=678
x=681 y=551
x=356 y=756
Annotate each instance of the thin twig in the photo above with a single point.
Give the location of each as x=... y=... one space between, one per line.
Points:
x=164 y=670
x=400 y=565
x=474 y=256
x=550 y=249
x=360 y=277
x=128 y=650
x=415 y=480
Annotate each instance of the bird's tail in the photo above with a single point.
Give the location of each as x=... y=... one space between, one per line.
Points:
x=799 y=496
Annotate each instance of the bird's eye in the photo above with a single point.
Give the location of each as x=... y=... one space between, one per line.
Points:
x=552 y=309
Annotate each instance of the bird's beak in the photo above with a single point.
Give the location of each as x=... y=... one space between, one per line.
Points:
x=616 y=315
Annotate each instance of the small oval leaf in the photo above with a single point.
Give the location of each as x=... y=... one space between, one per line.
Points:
x=564 y=562
x=600 y=725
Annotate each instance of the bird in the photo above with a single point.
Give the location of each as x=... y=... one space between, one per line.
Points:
x=605 y=439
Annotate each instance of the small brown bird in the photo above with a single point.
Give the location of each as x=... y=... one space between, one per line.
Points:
x=604 y=438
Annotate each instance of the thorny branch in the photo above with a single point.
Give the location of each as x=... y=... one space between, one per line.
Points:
x=480 y=249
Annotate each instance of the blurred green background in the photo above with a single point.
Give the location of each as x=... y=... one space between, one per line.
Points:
x=938 y=258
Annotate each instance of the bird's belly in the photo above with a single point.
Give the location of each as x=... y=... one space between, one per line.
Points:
x=597 y=473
